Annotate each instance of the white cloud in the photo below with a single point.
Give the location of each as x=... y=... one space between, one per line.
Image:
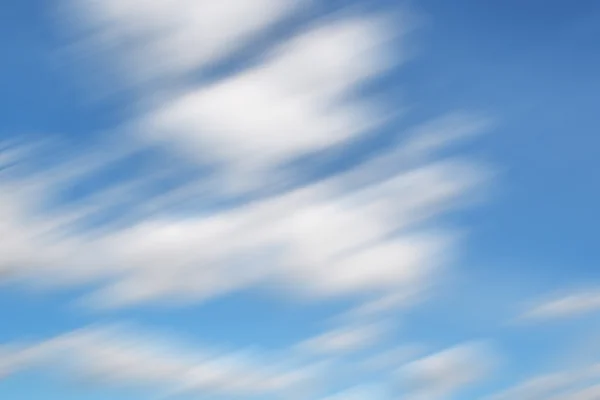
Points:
x=589 y=393
x=539 y=387
x=368 y=233
x=28 y=242
x=362 y=392
x=407 y=296
x=298 y=98
x=345 y=339
x=573 y=384
x=372 y=232
x=294 y=103
x=394 y=358
x=313 y=243
x=330 y=238
x=162 y=38
x=116 y=356
x=568 y=305
x=442 y=375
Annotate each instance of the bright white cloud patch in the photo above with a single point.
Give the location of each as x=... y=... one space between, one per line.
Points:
x=300 y=97
x=296 y=101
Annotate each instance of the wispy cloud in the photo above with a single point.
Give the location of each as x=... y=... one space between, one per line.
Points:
x=159 y=39
x=120 y=356
x=566 y=305
x=287 y=239
x=345 y=339
x=442 y=375
x=563 y=384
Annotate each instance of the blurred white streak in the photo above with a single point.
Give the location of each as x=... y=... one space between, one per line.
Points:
x=345 y=339
x=539 y=387
x=394 y=358
x=159 y=39
x=442 y=375
x=362 y=392
x=118 y=356
x=564 y=305
x=589 y=393
x=440 y=133
x=560 y=385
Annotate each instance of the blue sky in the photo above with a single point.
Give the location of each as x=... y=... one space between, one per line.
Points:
x=360 y=199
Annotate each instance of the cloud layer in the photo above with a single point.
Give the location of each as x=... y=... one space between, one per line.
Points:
x=375 y=233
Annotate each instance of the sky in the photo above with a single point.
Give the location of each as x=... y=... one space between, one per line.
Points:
x=299 y=199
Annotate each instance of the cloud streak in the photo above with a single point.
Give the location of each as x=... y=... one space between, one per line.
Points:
x=316 y=240
x=119 y=356
x=566 y=305
x=442 y=375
